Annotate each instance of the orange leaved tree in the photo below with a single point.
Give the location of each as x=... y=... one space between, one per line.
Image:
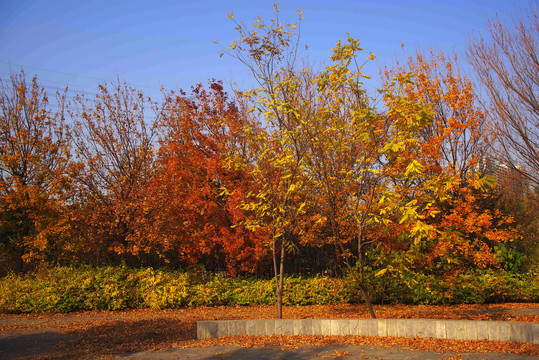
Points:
x=464 y=227
x=114 y=149
x=34 y=153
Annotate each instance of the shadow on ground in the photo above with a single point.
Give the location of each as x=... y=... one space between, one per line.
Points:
x=96 y=340
x=127 y=336
x=31 y=345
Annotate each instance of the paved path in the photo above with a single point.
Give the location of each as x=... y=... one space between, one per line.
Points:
x=309 y=352
x=38 y=338
x=42 y=343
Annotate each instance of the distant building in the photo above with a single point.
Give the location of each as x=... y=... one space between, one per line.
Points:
x=509 y=180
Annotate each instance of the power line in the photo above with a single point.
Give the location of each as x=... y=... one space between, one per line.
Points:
x=151 y=89
x=69 y=96
x=52 y=71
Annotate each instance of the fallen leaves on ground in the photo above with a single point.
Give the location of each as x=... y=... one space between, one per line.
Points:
x=104 y=333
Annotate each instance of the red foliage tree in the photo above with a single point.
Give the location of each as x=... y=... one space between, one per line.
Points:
x=198 y=195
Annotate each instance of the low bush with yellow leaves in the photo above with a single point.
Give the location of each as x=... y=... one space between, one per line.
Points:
x=66 y=289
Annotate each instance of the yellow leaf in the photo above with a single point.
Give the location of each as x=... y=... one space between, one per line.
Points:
x=381 y=272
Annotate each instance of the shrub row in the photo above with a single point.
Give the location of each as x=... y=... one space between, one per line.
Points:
x=116 y=288
x=477 y=287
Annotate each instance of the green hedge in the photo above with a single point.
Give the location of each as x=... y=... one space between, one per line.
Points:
x=476 y=287
x=65 y=289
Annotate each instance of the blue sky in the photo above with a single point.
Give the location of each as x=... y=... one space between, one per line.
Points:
x=170 y=43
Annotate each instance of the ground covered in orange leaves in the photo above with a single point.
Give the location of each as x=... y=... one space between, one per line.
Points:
x=94 y=334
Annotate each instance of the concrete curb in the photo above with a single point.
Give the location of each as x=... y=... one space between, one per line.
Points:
x=423 y=328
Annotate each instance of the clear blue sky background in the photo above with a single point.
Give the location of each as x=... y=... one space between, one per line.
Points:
x=170 y=43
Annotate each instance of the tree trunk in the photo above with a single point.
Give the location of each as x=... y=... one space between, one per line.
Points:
x=280 y=288
x=279 y=271
x=361 y=280
x=279 y=303
x=365 y=294
x=362 y=287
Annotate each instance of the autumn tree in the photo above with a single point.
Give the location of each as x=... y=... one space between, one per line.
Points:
x=198 y=194
x=506 y=62
x=34 y=153
x=465 y=226
x=362 y=159
x=114 y=149
x=269 y=51
x=342 y=136
x=411 y=192
x=458 y=136
x=324 y=142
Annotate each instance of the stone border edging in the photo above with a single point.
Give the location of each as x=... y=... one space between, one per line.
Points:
x=423 y=328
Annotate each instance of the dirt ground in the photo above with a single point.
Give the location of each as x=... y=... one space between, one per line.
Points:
x=171 y=334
